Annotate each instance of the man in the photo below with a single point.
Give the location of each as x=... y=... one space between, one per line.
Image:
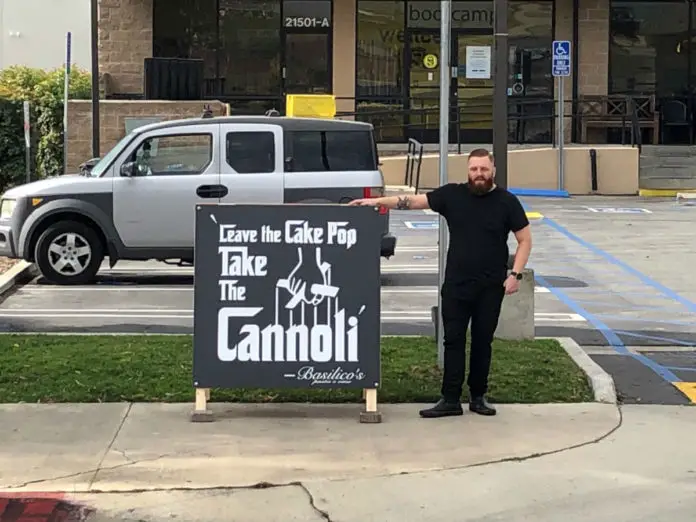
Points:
x=479 y=217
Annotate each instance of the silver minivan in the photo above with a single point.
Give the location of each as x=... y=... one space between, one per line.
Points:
x=138 y=201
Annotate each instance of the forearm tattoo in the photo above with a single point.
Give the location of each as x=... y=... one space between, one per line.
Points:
x=404 y=203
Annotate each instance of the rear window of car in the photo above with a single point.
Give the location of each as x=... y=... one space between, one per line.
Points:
x=321 y=151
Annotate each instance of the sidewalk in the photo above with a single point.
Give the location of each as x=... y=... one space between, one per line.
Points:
x=633 y=464
x=122 y=447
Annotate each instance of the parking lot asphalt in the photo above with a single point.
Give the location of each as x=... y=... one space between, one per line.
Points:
x=612 y=273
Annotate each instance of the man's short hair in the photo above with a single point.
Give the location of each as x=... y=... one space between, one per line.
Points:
x=481 y=153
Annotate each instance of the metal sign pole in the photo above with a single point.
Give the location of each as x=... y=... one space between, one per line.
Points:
x=561 y=134
x=445 y=75
x=500 y=99
x=560 y=68
x=94 y=20
x=27 y=141
x=66 y=97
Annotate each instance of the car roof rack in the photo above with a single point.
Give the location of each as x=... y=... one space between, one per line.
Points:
x=207 y=112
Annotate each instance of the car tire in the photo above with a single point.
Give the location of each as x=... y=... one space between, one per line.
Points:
x=69 y=253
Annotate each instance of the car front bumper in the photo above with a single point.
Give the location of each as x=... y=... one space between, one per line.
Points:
x=7 y=246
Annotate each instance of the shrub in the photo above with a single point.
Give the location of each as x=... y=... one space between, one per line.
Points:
x=44 y=90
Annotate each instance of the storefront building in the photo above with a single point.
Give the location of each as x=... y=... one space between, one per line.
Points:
x=382 y=56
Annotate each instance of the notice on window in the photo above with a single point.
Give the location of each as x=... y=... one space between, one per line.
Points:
x=478 y=62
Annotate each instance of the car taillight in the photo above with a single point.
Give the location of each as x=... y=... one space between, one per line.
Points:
x=375 y=192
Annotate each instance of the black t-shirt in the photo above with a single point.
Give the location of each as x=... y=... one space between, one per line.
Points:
x=479 y=227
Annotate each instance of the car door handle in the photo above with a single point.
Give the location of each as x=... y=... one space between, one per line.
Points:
x=212 y=191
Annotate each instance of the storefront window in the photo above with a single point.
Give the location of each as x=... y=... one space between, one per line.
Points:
x=380 y=48
x=648 y=48
x=186 y=29
x=531 y=35
x=250 y=46
x=398 y=46
x=530 y=80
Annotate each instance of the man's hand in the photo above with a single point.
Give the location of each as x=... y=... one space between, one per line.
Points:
x=511 y=285
x=366 y=202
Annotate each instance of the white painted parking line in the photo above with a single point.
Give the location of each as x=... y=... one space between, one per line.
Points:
x=558 y=317
x=387 y=315
x=415 y=249
x=38 y=289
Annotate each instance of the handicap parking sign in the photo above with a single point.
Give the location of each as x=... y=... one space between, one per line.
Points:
x=561 y=58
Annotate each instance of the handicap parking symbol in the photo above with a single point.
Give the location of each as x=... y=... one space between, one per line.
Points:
x=561 y=48
x=561 y=58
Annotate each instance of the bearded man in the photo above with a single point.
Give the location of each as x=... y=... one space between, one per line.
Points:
x=480 y=217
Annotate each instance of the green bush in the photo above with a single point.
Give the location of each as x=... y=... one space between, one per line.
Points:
x=12 y=159
x=44 y=91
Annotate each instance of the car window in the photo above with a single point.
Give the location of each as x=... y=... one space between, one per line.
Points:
x=316 y=151
x=178 y=154
x=251 y=152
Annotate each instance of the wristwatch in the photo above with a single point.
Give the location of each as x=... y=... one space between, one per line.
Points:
x=517 y=275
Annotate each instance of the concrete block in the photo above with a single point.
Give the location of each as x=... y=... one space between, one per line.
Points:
x=517 y=314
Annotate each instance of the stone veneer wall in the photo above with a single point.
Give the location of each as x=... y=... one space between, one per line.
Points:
x=593 y=66
x=125 y=40
x=113 y=114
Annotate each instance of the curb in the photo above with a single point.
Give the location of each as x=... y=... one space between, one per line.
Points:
x=663 y=193
x=18 y=273
x=601 y=382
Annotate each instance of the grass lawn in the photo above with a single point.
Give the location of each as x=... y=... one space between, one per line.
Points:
x=62 y=368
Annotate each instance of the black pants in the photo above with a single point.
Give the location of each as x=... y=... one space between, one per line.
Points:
x=481 y=306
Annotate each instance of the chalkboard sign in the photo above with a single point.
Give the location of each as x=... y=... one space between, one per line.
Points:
x=287 y=296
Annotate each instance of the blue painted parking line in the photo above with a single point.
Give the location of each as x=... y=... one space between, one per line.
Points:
x=605 y=330
x=422 y=225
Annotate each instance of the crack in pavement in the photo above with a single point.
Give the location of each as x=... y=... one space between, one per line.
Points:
x=79 y=473
x=269 y=485
x=113 y=441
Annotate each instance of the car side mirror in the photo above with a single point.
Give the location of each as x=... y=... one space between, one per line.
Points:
x=129 y=169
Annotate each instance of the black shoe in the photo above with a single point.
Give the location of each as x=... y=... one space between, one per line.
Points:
x=443 y=408
x=481 y=406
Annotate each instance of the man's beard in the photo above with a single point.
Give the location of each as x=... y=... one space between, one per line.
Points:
x=480 y=186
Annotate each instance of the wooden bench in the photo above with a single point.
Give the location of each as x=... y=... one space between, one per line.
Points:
x=616 y=112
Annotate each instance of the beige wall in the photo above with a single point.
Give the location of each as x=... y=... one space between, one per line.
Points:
x=617 y=169
x=344 y=54
x=31 y=40
x=113 y=114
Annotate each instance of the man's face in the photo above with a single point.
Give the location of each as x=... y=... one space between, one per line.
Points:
x=481 y=174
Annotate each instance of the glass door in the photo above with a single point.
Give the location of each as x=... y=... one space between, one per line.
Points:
x=307 y=67
x=473 y=86
x=423 y=66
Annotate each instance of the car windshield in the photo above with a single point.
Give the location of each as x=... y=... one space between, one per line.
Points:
x=103 y=163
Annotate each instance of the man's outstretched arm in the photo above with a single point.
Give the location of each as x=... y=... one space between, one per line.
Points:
x=400 y=202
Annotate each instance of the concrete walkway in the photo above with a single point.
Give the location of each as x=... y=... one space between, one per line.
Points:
x=601 y=463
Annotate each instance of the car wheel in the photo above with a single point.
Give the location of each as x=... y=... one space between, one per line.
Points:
x=69 y=253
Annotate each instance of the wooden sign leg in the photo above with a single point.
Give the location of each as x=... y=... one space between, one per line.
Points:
x=201 y=413
x=370 y=415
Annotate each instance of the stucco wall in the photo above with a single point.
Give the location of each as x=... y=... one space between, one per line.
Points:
x=617 y=169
